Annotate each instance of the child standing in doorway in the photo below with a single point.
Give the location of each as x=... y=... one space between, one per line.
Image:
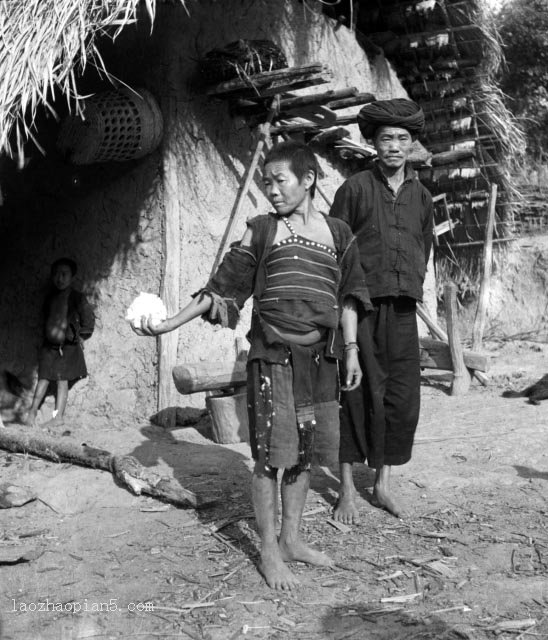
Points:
x=68 y=321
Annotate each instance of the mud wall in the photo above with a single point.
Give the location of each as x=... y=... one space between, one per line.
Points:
x=517 y=297
x=109 y=218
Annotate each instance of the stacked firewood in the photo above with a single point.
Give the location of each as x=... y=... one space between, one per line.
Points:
x=443 y=52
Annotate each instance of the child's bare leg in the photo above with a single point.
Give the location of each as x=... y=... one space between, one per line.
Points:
x=39 y=393
x=292 y=547
x=264 y=494
x=346 y=510
x=61 y=399
x=60 y=405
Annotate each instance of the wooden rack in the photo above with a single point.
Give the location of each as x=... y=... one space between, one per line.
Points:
x=267 y=102
x=251 y=98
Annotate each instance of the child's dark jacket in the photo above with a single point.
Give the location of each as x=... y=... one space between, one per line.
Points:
x=80 y=316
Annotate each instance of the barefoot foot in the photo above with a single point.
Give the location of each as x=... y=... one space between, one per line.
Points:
x=298 y=551
x=346 y=510
x=275 y=571
x=385 y=500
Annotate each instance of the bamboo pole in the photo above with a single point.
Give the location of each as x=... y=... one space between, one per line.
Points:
x=487 y=262
x=461 y=375
x=263 y=135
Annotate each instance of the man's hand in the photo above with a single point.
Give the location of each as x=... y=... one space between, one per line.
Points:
x=352 y=370
x=148 y=328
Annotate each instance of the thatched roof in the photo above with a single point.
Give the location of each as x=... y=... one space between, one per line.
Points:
x=44 y=44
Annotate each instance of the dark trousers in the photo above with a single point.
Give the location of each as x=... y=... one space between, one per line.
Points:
x=379 y=419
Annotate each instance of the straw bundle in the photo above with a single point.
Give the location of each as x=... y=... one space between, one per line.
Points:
x=44 y=44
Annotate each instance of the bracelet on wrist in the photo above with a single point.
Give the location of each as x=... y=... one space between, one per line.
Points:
x=349 y=346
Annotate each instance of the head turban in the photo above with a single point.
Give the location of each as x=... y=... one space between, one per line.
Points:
x=398 y=112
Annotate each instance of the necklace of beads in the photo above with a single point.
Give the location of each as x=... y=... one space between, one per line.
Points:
x=308 y=243
x=289 y=226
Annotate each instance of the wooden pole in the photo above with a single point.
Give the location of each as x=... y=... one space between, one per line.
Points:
x=264 y=131
x=461 y=375
x=247 y=107
x=169 y=289
x=311 y=127
x=436 y=330
x=487 y=262
x=439 y=333
x=323 y=195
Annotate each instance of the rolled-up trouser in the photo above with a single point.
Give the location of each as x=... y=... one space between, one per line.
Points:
x=379 y=419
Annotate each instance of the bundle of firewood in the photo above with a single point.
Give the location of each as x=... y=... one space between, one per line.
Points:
x=241 y=59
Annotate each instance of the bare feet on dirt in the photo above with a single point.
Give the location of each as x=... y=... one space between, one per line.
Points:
x=384 y=499
x=300 y=552
x=276 y=573
x=346 y=510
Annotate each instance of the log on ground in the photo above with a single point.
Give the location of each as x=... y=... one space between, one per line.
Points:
x=126 y=469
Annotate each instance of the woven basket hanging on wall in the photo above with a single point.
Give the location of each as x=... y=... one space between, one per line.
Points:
x=117 y=126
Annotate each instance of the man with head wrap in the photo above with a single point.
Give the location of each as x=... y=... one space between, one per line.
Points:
x=391 y=214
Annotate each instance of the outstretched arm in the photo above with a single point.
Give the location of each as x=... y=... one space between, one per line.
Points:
x=349 y=326
x=232 y=279
x=196 y=307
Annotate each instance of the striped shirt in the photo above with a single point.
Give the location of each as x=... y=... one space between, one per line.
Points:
x=301 y=287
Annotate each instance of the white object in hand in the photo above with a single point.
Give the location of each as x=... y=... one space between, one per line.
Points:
x=148 y=305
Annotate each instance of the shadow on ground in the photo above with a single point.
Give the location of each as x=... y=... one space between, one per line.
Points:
x=527 y=472
x=217 y=474
x=376 y=623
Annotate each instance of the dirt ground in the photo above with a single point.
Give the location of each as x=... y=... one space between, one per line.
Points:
x=471 y=562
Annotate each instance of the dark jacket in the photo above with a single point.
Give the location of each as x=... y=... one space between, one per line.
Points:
x=242 y=274
x=394 y=231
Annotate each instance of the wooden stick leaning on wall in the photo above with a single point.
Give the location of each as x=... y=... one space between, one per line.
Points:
x=264 y=132
x=487 y=262
x=461 y=375
x=439 y=333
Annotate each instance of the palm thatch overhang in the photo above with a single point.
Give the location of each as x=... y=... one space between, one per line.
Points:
x=446 y=53
x=44 y=46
